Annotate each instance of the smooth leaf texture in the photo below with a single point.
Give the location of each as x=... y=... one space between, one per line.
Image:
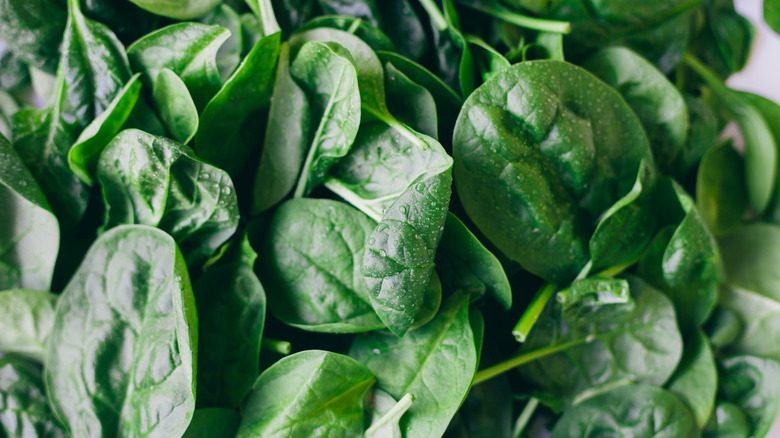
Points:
x=223 y=138
x=312 y=393
x=537 y=160
x=24 y=411
x=153 y=181
x=362 y=29
x=229 y=55
x=178 y=9
x=122 y=352
x=753 y=384
x=436 y=363
x=696 y=380
x=311 y=266
x=411 y=103
x=213 y=423
x=175 y=106
x=727 y=421
x=633 y=410
x=638 y=340
x=26 y=318
x=30 y=236
x=772 y=14
x=187 y=49
x=721 y=196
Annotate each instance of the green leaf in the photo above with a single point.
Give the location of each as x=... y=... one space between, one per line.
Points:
x=8 y=107
x=411 y=103
x=14 y=72
x=213 y=423
x=175 y=106
x=312 y=393
x=225 y=137
x=311 y=264
x=229 y=55
x=187 y=49
x=84 y=153
x=772 y=14
x=753 y=384
x=655 y=101
x=695 y=381
x=178 y=9
x=153 y=181
x=633 y=410
x=127 y=320
x=24 y=411
x=33 y=30
x=26 y=318
x=383 y=402
x=535 y=166
x=770 y=112
x=436 y=363
x=721 y=196
x=638 y=340
x=488 y=60
x=30 y=235
x=463 y=263
x=727 y=421
x=362 y=29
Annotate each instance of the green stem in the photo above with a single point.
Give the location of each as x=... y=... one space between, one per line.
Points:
x=525 y=417
x=531 y=314
x=615 y=270
x=521 y=20
x=396 y=412
x=282 y=347
x=500 y=368
x=436 y=15
x=265 y=12
x=354 y=26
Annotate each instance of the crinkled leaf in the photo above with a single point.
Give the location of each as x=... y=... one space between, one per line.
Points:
x=24 y=411
x=26 y=318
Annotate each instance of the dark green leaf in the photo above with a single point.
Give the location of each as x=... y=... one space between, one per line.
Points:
x=26 y=317
x=229 y=55
x=753 y=384
x=14 y=72
x=121 y=354
x=411 y=103
x=727 y=421
x=24 y=411
x=213 y=423
x=180 y=9
x=175 y=106
x=721 y=196
x=33 y=30
x=361 y=29
x=696 y=380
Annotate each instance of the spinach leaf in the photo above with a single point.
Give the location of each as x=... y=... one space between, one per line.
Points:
x=486 y=412
x=402 y=24
x=463 y=263
x=175 y=106
x=30 y=235
x=436 y=363
x=753 y=384
x=127 y=320
x=229 y=55
x=224 y=137
x=231 y=314
x=92 y=70
x=153 y=181
x=180 y=10
x=187 y=49
x=537 y=160
x=725 y=38
x=26 y=317
x=657 y=103
x=356 y=26
x=311 y=265
x=772 y=14
x=488 y=60
x=381 y=403
x=213 y=423
x=770 y=112
x=8 y=107
x=286 y=139
x=14 y=72
x=633 y=410
x=580 y=353
x=695 y=381
x=366 y=10
x=412 y=104
x=24 y=411
x=727 y=421
x=751 y=291
x=84 y=153
x=702 y=133
x=33 y=30
x=312 y=393
x=721 y=196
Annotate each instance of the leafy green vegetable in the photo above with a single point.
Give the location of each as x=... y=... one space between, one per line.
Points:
x=175 y=106
x=24 y=410
x=752 y=383
x=728 y=421
x=126 y=321
x=721 y=196
x=696 y=378
x=180 y=10
x=33 y=30
x=26 y=318
x=213 y=423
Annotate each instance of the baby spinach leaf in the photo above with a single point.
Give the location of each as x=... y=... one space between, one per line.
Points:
x=175 y=106
x=772 y=14
x=366 y=10
x=402 y=24
x=364 y=30
x=702 y=132
x=535 y=166
x=655 y=101
x=153 y=181
x=180 y=10
x=126 y=320
x=463 y=263
x=606 y=346
x=695 y=381
x=770 y=112
x=381 y=403
x=753 y=384
x=223 y=137
x=436 y=363
x=84 y=153
x=488 y=60
x=286 y=139
x=30 y=235
x=633 y=410
x=587 y=295
x=721 y=196
x=312 y=393
x=725 y=38
x=187 y=49
x=213 y=423
x=328 y=78
x=727 y=421
x=229 y=55
x=26 y=317
x=752 y=292
x=411 y=103
x=311 y=265
x=14 y=72
x=24 y=411
x=231 y=315
x=33 y=30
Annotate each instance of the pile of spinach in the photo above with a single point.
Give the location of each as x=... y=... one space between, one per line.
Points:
x=385 y=218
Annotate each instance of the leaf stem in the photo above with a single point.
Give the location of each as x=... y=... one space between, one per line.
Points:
x=265 y=13
x=436 y=15
x=531 y=314
x=282 y=347
x=395 y=412
x=500 y=368
x=518 y=19
x=525 y=417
